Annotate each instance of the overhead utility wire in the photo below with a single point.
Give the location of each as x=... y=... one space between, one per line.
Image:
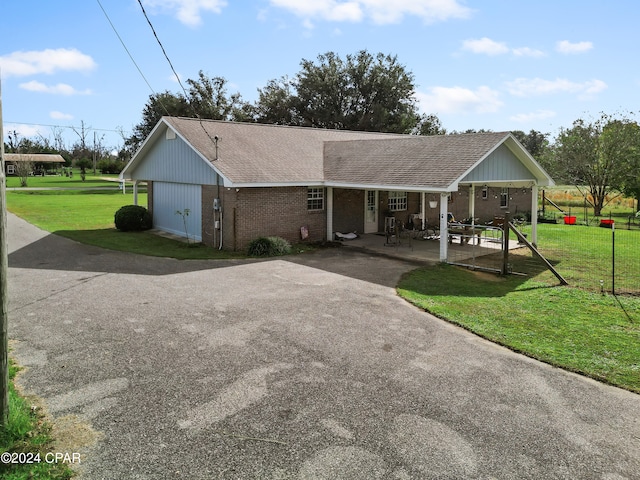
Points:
x=215 y=141
x=131 y=56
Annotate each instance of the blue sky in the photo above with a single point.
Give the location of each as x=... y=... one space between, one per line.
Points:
x=481 y=64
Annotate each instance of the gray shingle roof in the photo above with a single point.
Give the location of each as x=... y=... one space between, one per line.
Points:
x=251 y=153
x=432 y=161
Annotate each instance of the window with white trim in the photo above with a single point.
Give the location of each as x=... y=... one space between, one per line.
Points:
x=315 y=198
x=504 y=198
x=485 y=193
x=11 y=169
x=397 y=201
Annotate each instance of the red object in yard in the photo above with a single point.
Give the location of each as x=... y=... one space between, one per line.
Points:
x=607 y=222
x=569 y=220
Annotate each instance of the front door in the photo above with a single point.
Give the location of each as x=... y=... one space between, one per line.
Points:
x=370 y=211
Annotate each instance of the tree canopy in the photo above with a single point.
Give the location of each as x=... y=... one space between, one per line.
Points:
x=601 y=155
x=206 y=97
x=362 y=92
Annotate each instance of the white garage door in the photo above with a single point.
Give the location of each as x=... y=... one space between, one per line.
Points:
x=169 y=198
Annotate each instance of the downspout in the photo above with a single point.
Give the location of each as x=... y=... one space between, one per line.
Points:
x=221 y=223
x=329 y=214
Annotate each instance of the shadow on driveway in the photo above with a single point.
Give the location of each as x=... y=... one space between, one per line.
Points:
x=53 y=252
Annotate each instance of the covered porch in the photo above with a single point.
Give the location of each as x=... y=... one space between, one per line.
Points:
x=431 y=226
x=413 y=246
x=425 y=178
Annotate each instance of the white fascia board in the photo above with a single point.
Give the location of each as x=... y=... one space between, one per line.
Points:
x=503 y=183
x=314 y=183
x=397 y=188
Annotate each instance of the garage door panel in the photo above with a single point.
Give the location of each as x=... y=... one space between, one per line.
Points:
x=169 y=198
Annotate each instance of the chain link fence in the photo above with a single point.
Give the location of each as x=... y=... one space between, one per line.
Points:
x=600 y=256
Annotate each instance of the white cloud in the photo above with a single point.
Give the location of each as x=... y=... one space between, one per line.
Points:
x=379 y=11
x=533 y=116
x=49 y=61
x=60 y=116
x=527 y=87
x=527 y=52
x=486 y=46
x=188 y=12
x=59 y=89
x=22 y=130
x=447 y=100
x=569 y=48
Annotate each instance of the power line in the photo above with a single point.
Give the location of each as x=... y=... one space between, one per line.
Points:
x=131 y=57
x=58 y=126
x=162 y=48
x=186 y=95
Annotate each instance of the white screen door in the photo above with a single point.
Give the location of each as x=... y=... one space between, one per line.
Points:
x=370 y=211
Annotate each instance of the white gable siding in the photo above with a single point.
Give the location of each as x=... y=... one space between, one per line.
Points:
x=500 y=165
x=174 y=161
x=168 y=198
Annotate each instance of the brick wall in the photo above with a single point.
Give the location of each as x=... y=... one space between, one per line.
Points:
x=485 y=209
x=413 y=206
x=348 y=210
x=249 y=213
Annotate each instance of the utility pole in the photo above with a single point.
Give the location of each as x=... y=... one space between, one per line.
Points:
x=94 y=153
x=4 y=268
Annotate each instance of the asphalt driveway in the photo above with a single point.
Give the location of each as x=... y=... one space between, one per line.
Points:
x=307 y=367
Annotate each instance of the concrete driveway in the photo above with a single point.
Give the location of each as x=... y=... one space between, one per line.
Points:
x=307 y=367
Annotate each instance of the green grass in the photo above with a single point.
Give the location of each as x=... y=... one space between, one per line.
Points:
x=583 y=254
x=75 y=182
x=581 y=331
x=28 y=432
x=87 y=217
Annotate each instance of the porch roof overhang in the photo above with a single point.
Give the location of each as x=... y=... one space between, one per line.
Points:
x=388 y=187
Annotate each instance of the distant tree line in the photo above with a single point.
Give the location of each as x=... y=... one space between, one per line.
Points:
x=87 y=153
x=367 y=92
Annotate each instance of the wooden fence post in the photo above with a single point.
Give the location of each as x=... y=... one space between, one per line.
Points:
x=505 y=244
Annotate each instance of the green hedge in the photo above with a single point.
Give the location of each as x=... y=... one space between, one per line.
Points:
x=132 y=218
x=269 y=247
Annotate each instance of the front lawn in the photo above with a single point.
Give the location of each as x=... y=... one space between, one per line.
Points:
x=60 y=181
x=87 y=217
x=585 y=332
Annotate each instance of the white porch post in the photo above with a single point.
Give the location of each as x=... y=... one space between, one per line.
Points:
x=423 y=209
x=135 y=192
x=444 y=231
x=472 y=203
x=534 y=214
x=330 y=214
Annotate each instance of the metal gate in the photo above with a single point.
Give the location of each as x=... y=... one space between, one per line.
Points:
x=476 y=246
